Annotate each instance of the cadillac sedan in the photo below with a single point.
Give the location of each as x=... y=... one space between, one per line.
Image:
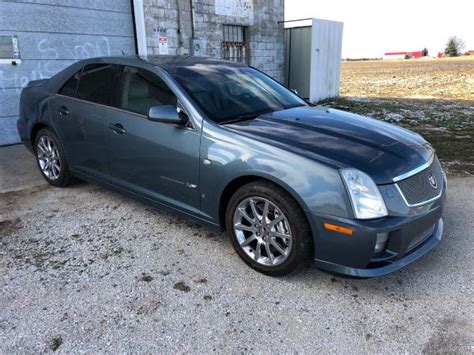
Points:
x=228 y=146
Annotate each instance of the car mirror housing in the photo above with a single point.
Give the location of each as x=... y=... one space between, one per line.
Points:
x=167 y=114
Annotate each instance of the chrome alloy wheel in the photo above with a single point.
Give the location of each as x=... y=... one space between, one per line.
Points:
x=263 y=231
x=48 y=157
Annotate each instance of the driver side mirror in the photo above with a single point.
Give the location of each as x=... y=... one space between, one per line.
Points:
x=167 y=114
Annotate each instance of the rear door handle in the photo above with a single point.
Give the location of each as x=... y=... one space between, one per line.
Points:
x=117 y=128
x=63 y=111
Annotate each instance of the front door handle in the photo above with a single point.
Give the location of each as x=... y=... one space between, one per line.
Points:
x=63 y=111
x=117 y=128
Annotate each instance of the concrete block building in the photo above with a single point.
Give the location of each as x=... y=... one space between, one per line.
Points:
x=242 y=30
x=39 y=38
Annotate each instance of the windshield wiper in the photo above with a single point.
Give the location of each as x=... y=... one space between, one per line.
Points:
x=249 y=116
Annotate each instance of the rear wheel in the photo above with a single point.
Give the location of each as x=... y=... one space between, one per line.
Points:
x=268 y=229
x=51 y=159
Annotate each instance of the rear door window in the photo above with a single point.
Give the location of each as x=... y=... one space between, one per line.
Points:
x=96 y=82
x=70 y=87
x=140 y=89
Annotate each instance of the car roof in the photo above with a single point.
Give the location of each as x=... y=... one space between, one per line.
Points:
x=169 y=62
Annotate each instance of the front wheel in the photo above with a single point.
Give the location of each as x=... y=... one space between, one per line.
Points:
x=51 y=159
x=268 y=229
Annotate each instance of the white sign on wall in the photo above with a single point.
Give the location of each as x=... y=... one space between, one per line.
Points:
x=162 y=45
x=234 y=8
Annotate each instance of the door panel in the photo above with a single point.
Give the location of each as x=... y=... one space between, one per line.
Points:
x=78 y=113
x=80 y=126
x=158 y=160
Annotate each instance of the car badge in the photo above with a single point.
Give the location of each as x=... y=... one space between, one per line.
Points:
x=433 y=182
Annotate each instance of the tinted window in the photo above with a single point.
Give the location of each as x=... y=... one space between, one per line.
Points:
x=69 y=88
x=141 y=89
x=227 y=92
x=96 y=82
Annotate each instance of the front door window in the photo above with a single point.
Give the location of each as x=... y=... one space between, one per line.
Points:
x=140 y=90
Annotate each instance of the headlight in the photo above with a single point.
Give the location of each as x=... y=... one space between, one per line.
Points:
x=365 y=196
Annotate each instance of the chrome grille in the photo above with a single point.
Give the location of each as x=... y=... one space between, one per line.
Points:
x=423 y=186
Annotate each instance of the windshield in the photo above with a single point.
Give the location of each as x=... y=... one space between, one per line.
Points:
x=227 y=93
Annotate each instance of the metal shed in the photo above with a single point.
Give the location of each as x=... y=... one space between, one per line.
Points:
x=313 y=57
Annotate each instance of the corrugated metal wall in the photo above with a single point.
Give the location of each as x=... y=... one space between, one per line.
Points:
x=326 y=47
x=53 y=34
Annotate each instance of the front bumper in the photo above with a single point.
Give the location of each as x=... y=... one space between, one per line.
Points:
x=388 y=267
x=410 y=237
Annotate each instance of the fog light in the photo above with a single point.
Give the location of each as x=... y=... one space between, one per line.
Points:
x=382 y=239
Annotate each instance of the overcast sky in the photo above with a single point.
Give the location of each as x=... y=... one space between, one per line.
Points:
x=373 y=27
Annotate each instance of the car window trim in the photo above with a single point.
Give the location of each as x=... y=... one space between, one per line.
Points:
x=115 y=93
x=69 y=78
x=109 y=97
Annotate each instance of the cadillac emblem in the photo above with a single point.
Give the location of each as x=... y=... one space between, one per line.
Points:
x=433 y=182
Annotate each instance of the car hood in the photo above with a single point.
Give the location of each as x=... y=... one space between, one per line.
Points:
x=382 y=150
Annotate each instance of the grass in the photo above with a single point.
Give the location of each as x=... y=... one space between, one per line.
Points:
x=432 y=97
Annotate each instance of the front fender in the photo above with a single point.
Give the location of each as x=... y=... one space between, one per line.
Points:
x=226 y=156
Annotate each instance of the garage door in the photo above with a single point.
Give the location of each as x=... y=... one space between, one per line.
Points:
x=52 y=34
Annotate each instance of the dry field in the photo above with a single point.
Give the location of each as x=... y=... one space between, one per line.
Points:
x=434 y=97
x=442 y=79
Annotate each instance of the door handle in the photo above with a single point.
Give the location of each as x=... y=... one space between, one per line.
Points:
x=63 y=111
x=117 y=128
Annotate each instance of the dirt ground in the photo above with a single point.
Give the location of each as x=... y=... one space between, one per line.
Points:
x=86 y=270
x=434 y=97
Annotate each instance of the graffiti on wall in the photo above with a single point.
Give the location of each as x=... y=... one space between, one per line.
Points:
x=49 y=56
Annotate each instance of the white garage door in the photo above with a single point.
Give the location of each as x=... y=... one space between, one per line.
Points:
x=52 y=34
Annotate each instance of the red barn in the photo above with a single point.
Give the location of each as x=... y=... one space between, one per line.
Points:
x=405 y=55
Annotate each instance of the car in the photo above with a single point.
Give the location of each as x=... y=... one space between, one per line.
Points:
x=228 y=146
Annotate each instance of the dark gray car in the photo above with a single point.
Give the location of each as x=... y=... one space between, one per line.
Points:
x=228 y=146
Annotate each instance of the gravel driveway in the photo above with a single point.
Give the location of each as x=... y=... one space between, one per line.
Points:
x=83 y=269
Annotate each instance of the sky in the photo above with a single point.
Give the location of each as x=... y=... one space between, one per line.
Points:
x=373 y=27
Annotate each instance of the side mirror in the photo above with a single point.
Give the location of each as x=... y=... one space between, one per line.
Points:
x=167 y=114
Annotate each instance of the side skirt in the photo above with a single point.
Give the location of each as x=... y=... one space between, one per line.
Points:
x=148 y=201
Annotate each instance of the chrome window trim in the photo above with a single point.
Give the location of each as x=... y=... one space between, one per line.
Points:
x=420 y=203
x=415 y=171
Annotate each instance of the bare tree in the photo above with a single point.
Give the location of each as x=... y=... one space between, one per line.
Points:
x=454 y=47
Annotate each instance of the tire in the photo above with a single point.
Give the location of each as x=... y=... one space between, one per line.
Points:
x=51 y=159
x=291 y=234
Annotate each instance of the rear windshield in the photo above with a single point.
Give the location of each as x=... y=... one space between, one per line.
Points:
x=225 y=93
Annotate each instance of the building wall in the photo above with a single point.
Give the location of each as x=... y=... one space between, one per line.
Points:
x=53 y=34
x=264 y=36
